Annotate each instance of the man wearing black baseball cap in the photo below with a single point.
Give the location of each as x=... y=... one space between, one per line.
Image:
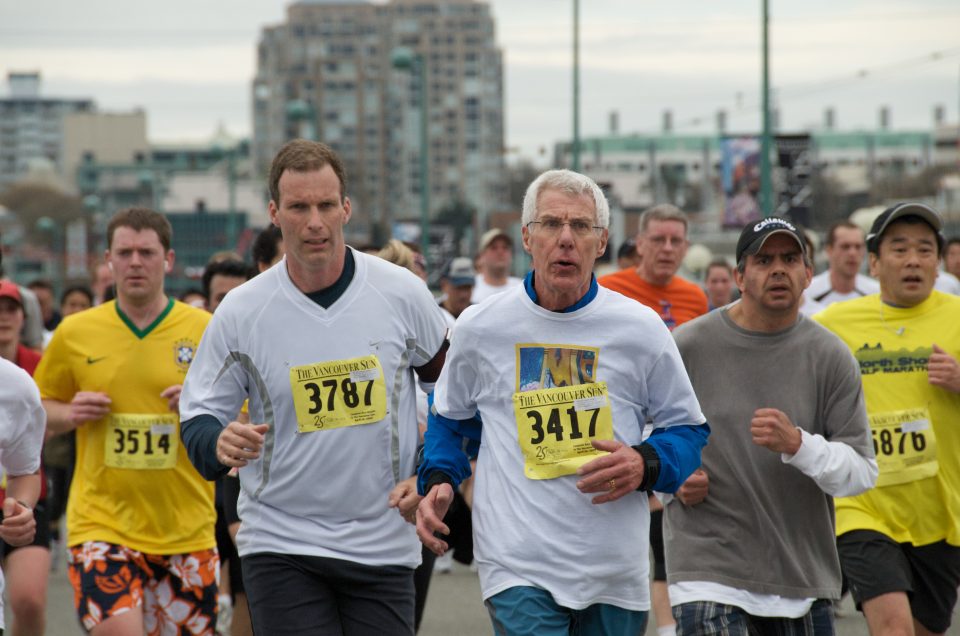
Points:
x=785 y=397
x=900 y=543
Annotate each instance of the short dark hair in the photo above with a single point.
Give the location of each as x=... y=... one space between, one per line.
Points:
x=77 y=289
x=40 y=283
x=264 y=248
x=301 y=155
x=139 y=219
x=953 y=240
x=718 y=262
x=836 y=225
x=227 y=267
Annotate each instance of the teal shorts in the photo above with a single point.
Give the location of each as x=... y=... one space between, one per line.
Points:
x=531 y=611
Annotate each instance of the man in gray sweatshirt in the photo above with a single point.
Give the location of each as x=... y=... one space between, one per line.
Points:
x=750 y=536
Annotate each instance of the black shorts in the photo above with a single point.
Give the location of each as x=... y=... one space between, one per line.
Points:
x=225 y=545
x=656 y=545
x=42 y=538
x=875 y=564
x=300 y=594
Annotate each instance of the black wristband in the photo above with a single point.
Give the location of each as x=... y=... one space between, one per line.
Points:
x=437 y=477
x=651 y=466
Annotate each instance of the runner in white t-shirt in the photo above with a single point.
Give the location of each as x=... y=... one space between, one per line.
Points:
x=564 y=374
x=493 y=262
x=845 y=248
x=324 y=345
x=22 y=425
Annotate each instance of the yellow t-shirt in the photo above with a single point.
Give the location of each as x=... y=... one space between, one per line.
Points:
x=915 y=425
x=134 y=484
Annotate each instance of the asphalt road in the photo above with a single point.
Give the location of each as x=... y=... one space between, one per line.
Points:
x=454 y=608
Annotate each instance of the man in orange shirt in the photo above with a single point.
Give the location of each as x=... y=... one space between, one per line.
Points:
x=661 y=244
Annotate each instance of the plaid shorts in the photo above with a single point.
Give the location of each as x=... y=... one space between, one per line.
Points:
x=177 y=593
x=706 y=618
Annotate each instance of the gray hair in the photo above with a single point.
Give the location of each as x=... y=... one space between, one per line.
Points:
x=662 y=212
x=569 y=182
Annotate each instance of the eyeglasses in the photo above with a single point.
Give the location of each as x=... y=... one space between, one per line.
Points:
x=553 y=227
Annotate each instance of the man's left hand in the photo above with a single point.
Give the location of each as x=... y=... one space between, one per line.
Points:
x=943 y=370
x=615 y=475
x=772 y=429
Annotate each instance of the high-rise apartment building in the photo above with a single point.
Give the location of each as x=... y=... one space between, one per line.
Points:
x=31 y=127
x=328 y=73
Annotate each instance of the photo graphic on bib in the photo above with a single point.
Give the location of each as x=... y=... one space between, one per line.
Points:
x=559 y=408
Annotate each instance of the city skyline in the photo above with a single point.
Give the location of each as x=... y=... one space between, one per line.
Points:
x=637 y=60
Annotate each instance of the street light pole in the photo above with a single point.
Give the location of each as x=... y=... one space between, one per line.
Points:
x=576 y=86
x=406 y=59
x=421 y=67
x=766 y=181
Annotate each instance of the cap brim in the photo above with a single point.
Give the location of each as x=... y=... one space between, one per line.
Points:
x=758 y=244
x=460 y=282
x=908 y=209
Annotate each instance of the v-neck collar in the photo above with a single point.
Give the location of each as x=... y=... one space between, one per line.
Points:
x=143 y=333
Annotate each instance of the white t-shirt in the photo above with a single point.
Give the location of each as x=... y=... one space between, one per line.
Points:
x=321 y=491
x=544 y=532
x=483 y=290
x=22 y=425
x=822 y=291
x=947 y=283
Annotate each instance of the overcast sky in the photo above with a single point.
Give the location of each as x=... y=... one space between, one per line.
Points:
x=189 y=64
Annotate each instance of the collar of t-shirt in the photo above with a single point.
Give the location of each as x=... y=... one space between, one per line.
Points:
x=329 y=295
x=583 y=302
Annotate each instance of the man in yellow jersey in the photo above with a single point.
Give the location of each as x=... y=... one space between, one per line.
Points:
x=899 y=543
x=140 y=519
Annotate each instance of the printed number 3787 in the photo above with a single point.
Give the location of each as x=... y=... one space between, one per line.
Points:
x=347 y=388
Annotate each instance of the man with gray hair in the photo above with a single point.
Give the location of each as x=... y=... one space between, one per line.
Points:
x=563 y=375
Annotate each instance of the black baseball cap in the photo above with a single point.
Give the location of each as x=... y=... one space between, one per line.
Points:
x=754 y=235
x=899 y=211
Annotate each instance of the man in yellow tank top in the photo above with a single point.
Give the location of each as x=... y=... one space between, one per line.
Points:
x=899 y=543
x=140 y=519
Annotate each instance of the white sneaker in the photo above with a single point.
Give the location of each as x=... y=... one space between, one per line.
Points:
x=444 y=564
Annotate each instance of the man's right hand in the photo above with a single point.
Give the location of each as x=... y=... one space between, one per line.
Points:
x=239 y=443
x=88 y=406
x=694 y=490
x=19 y=525
x=430 y=513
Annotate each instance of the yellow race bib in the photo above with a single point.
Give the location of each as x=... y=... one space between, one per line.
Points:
x=555 y=427
x=905 y=445
x=338 y=393
x=141 y=441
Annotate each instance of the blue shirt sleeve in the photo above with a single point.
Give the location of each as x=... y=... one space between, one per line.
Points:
x=199 y=435
x=447 y=447
x=679 y=450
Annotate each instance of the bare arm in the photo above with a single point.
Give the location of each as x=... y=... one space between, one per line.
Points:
x=86 y=406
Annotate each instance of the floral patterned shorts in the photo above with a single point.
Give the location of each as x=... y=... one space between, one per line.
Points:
x=178 y=593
